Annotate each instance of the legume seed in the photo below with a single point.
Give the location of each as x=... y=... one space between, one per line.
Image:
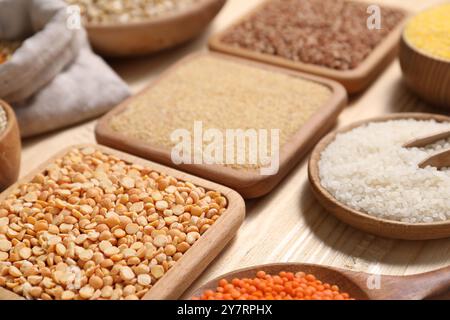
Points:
x=127 y=274
x=4 y=256
x=157 y=271
x=14 y=272
x=110 y=251
x=127 y=182
x=112 y=220
x=67 y=295
x=85 y=255
x=119 y=233
x=132 y=228
x=144 y=279
x=161 y=205
x=35 y=292
x=25 y=253
x=60 y=249
x=5 y=245
x=160 y=241
x=41 y=226
x=96 y=282
x=86 y=292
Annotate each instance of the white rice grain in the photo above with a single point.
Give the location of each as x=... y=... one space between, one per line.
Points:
x=368 y=170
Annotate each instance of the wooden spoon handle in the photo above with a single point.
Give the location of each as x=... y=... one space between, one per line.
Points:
x=414 y=287
x=428 y=284
x=440 y=160
x=424 y=141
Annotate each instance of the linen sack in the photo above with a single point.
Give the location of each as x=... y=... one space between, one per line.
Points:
x=54 y=79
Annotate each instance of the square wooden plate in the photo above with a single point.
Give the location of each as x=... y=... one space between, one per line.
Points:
x=354 y=80
x=196 y=259
x=248 y=182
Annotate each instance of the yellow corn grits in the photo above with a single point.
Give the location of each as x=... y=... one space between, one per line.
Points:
x=429 y=31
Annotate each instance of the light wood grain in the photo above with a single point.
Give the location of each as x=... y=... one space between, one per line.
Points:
x=152 y=35
x=288 y=224
x=10 y=148
x=354 y=80
x=360 y=219
x=249 y=183
x=197 y=258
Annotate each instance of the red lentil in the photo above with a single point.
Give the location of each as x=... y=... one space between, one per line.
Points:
x=284 y=286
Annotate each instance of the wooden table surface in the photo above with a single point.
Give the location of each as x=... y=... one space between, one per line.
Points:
x=288 y=224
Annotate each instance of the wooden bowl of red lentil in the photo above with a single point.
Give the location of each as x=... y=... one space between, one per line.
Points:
x=10 y=146
x=152 y=34
x=300 y=281
x=271 y=275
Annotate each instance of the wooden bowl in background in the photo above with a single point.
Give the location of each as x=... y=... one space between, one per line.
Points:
x=10 y=149
x=427 y=76
x=361 y=220
x=152 y=35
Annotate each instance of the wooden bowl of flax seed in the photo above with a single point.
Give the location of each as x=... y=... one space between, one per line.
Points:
x=328 y=38
x=10 y=146
x=121 y=28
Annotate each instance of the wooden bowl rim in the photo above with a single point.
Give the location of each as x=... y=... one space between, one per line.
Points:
x=191 y=11
x=419 y=51
x=265 y=267
x=10 y=119
x=314 y=178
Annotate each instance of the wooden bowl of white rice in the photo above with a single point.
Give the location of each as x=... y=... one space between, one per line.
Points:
x=364 y=176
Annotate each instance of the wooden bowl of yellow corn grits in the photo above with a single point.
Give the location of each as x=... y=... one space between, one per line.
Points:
x=425 y=55
x=154 y=34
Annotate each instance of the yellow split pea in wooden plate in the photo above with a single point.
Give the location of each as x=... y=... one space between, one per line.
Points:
x=95 y=223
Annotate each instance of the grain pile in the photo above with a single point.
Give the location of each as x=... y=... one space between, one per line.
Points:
x=7 y=49
x=368 y=170
x=124 y=11
x=283 y=286
x=329 y=33
x=94 y=227
x=429 y=31
x=223 y=95
x=3 y=120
